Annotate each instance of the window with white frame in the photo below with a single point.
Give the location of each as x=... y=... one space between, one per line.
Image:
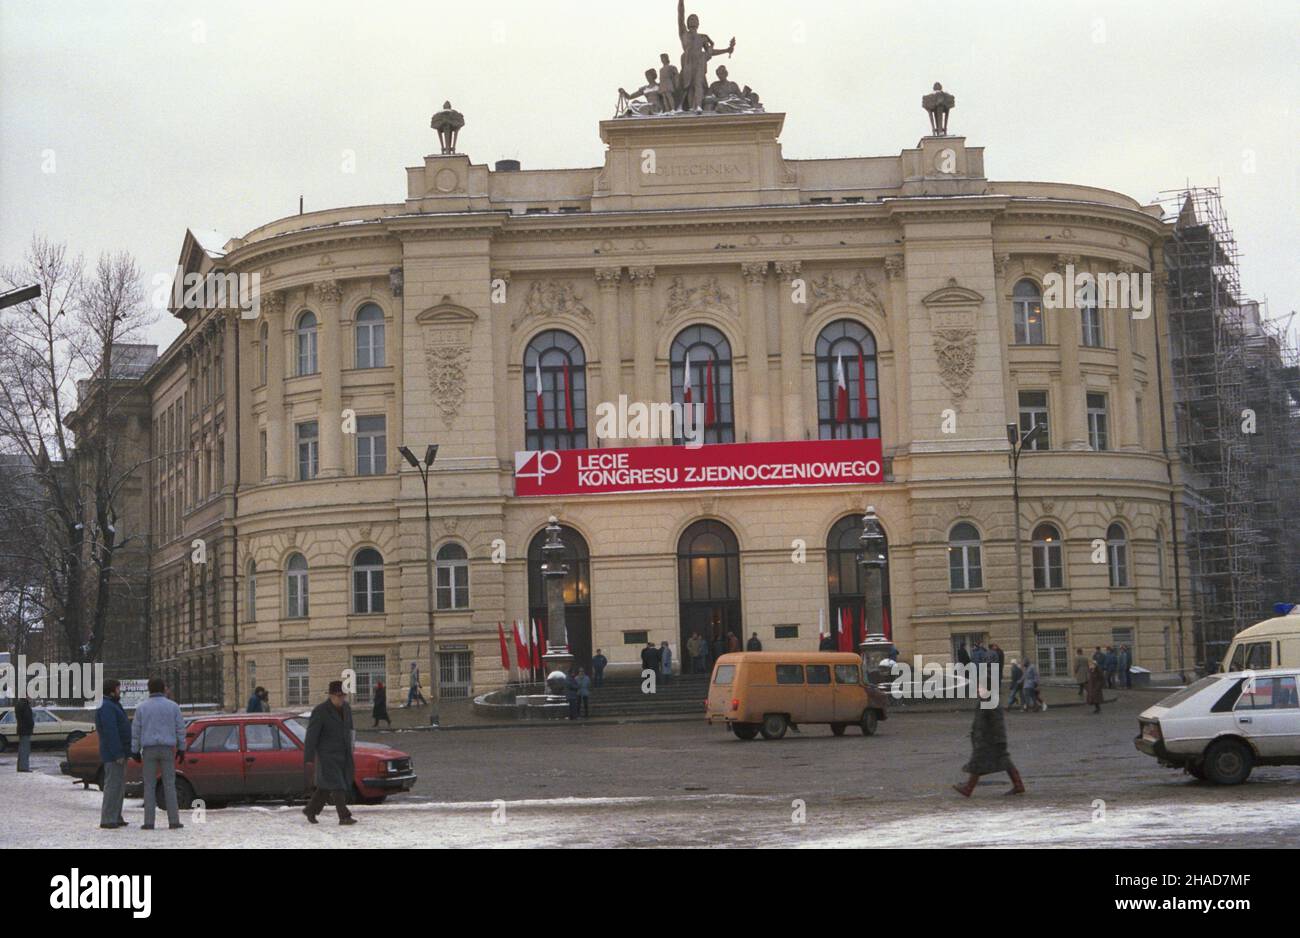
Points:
x=453 y=577
x=370 y=671
x=308 y=449
x=964 y=562
x=305 y=334
x=296 y=606
x=372 y=445
x=1033 y=413
x=1027 y=310
x=368 y=582
x=297 y=683
x=1090 y=322
x=1098 y=423
x=1049 y=572
x=370 y=336
x=1117 y=555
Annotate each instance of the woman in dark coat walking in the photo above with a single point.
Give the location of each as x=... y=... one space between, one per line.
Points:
x=329 y=746
x=380 y=708
x=988 y=736
x=1093 y=688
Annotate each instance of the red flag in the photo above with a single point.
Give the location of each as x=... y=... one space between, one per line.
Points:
x=884 y=623
x=845 y=623
x=505 y=654
x=521 y=646
x=537 y=645
x=568 y=400
x=537 y=381
x=862 y=387
x=710 y=417
x=841 y=393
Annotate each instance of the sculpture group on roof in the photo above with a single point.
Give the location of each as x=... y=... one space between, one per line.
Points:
x=685 y=89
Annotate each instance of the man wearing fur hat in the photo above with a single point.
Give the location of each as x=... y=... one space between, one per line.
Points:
x=329 y=745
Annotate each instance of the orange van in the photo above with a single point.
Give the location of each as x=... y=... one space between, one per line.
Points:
x=766 y=691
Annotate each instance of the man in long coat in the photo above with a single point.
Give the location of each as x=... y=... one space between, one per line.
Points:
x=329 y=745
x=1080 y=669
x=1096 y=682
x=988 y=736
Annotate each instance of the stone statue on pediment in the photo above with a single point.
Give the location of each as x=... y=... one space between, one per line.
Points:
x=938 y=104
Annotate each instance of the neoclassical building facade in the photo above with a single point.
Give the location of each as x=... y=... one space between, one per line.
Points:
x=896 y=298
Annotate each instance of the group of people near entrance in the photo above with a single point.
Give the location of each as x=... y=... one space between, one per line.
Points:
x=701 y=653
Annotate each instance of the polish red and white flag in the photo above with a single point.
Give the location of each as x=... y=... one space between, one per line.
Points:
x=686 y=382
x=841 y=393
x=537 y=382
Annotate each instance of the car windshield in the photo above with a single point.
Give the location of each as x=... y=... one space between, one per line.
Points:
x=297 y=728
x=1189 y=691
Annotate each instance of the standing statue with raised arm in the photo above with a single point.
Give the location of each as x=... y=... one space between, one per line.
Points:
x=697 y=49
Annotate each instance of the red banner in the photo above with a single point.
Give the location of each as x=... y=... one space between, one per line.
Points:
x=716 y=466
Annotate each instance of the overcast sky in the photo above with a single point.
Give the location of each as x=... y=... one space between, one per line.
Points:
x=124 y=123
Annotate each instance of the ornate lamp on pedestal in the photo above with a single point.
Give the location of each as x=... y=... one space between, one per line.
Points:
x=875 y=645
x=557 y=659
x=447 y=123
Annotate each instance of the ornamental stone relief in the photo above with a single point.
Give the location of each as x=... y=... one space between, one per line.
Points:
x=446 y=359
x=861 y=290
x=707 y=294
x=955 y=351
x=546 y=298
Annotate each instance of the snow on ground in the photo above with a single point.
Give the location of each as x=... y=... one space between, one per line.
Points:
x=45 y=809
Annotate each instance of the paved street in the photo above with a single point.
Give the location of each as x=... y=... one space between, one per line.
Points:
x=687 y=784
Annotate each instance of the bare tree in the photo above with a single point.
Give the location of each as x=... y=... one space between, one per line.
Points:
x=57 y=355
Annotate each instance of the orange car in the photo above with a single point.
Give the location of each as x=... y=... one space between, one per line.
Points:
x=250 y=756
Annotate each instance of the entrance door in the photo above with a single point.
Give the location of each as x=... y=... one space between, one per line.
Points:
x=1053 y=654
x=708 y=587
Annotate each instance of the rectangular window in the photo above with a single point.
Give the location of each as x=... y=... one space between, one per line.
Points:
x=455 y=674
x=789 y=674
x=1028 y=322
x=635 y=638
x=372 y=445
x=370 y=671
x=786 y=631
x=308 y=450
x=453 y=584
x=819 y=674
x=1053 y=654
x=296 y=682
x=1090 y=320
x=1098 y=433
x=1033 y=413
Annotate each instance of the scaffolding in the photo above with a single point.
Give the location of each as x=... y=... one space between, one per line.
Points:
x=1236 y=417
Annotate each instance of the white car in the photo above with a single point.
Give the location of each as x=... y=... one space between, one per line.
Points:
x=50 y=729
x=1226 y=724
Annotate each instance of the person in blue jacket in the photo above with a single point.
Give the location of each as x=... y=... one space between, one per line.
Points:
x=114 y=746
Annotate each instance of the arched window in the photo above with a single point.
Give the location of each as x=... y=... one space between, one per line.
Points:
x=370 y=336
x=1049 y=574
x=707 y=380
x=367 y=582
x=1027 y=304
x=452 y=565
x=296 y=587
x=263 y=350
x=846 y=581
x=306 y=336
x=1117 y=555
x=848 y=389
x=576 y=589
x=555 y=419
x=250 y=591
x=965 y=570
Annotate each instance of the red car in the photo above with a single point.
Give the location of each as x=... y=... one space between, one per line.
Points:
x=251 y=756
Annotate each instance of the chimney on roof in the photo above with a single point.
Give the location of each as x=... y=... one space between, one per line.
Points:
x=507 y=166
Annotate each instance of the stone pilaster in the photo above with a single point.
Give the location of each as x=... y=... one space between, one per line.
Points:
x=760 y=422
x=791 y=318
x=1126 y=406
x=277 y=339
x=643 y=330
x=611 y=357
x=1073 y=431
x=330 y=356
x=896 y=274
x=229 y=364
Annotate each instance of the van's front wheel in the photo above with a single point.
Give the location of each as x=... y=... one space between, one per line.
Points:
x=774 y=726
x=868 y=724
x=745 y=731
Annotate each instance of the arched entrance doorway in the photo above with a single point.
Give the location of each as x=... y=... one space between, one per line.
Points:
x=577 y=591
x=708 y=585
x=845 y=584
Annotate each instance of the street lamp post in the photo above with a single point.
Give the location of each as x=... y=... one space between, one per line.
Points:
x=1018 y=445
x=430 y=454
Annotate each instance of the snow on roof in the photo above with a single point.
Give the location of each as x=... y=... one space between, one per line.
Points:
x=212 y=242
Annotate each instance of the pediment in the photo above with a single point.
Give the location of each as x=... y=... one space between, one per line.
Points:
x=447 y=313
x=953 y=295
